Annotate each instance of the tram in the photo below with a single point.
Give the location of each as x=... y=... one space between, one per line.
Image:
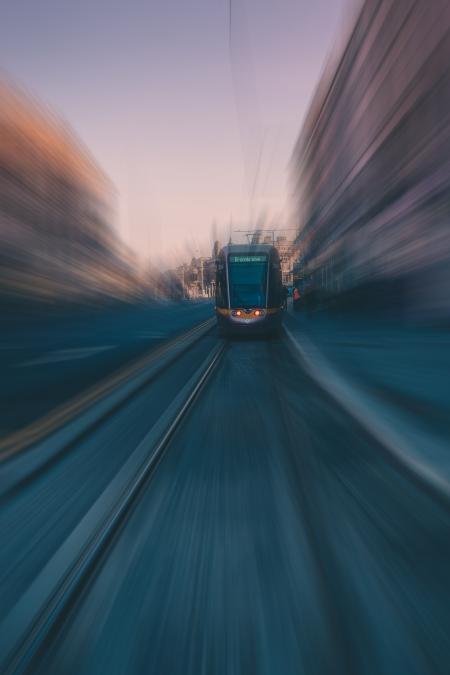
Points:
x=248 y=289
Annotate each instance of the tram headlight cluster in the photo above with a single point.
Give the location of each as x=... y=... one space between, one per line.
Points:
x=248 y=313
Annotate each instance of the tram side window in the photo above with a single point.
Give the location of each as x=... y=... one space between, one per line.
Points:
x=221 y=285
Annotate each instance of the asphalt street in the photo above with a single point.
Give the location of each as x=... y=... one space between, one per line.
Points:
x=48 y=359
x=275 y=536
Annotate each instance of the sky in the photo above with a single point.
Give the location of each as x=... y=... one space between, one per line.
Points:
x=192 y=111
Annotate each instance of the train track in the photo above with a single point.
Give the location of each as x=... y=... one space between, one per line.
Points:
x=313 y=480
x=53 y=592
x=41 y=445
x=150 y=364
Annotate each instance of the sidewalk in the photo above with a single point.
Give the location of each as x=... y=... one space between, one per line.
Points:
x=394 y=378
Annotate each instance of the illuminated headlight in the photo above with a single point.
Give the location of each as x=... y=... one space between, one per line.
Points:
x=259 y=312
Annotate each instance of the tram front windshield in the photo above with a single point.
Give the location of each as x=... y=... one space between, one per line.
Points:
x=248 y=280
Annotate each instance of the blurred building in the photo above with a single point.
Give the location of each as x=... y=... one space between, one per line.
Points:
x=181 y=274
x=287 y=250
x=371 y=167
x=287 y=258
x=198 y=279
x=56 y=239
x=201 y=276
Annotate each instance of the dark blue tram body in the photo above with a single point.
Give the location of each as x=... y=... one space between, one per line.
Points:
x=248 y=289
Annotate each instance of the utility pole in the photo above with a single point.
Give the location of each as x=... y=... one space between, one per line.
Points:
x=202 y=286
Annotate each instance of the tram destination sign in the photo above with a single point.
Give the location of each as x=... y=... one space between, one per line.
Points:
x=248 y=258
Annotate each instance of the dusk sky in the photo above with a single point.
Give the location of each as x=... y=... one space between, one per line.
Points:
x=189 y=126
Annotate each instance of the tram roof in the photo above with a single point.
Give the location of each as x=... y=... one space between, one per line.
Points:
x=246 y=249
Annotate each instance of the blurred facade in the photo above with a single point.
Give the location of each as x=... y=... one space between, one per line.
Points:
x=56 y=238
x=371 y=168
x=198 y=279
x=288 y=255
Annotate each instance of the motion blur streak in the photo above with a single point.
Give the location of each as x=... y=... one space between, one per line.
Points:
x=277 y=540
x=371 y=167
x=178 y=503
x=57 y=241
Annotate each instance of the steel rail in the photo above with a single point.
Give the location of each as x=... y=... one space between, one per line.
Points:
x=94 y=410
x=30 y=645
x=35 y=432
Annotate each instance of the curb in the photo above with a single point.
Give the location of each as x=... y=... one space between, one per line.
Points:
x=369 y=414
